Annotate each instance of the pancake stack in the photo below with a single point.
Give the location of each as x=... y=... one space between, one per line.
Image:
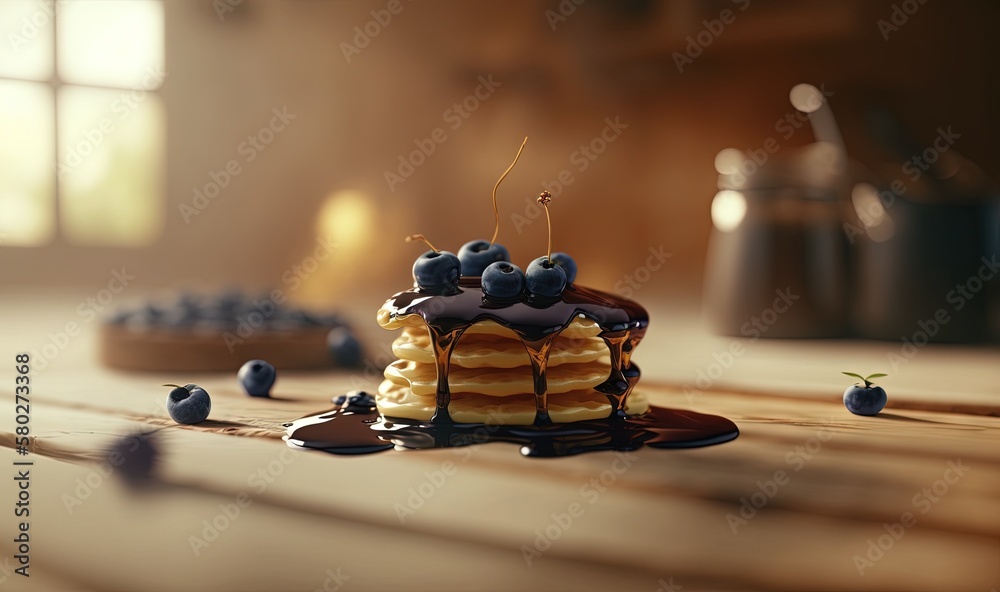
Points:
x=490 y=376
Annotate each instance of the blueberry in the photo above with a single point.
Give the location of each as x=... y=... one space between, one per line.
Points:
x=330 y=320
x=119 y=317
x=437 y=271
x=865 y=400
x=188 y=301
x=134 y=456
x=344 y=347
x=179 y=319
x=503 y=280
x=477 y=255
x=256 y=377
x=545 y=278
x=151 y=314
x=356 y=401
x=567 y=264
x=230 y=299
x=862 y=400
x=188 y=404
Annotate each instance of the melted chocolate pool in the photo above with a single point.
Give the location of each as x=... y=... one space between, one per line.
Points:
x=537 y=323
x=362 y=432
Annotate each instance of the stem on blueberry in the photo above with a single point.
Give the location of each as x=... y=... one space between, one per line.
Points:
x=174 y=385
x=866 y=379
x=414 y=237
x=544 y=198
x=496 y=210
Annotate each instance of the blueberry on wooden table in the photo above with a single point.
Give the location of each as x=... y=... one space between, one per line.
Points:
x=865 y=400
x=188 y=404
x=257 y=377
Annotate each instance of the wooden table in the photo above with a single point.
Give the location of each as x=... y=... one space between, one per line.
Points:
x=809 y=497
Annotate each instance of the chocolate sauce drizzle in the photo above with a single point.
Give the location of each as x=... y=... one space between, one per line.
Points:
x=537 y=323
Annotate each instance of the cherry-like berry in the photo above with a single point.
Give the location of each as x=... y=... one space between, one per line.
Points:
x=545 y=278
x=437 y=271
x=477 y=255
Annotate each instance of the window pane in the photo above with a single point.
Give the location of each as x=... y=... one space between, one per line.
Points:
x=110 y=166
x=26 y=47
x=27 y=209
x=112 y=43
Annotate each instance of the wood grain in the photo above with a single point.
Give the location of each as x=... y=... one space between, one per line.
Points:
x=662 y=520
x=664 y=517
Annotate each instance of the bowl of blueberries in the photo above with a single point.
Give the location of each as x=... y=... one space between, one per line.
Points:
x=198 y=332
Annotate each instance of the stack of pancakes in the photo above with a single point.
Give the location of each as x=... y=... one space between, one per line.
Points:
x=490 y=376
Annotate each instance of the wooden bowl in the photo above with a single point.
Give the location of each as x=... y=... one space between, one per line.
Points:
x=190 y=350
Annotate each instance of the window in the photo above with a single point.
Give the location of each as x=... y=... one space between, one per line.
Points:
x=82 y=126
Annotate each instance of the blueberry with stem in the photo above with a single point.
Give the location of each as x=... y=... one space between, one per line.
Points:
x=544 y=277
x=435 y=271
x=865 y=400
x=478 y=254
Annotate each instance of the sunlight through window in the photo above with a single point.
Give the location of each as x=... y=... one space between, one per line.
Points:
x=84 y=126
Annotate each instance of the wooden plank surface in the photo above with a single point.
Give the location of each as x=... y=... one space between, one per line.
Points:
x=659 y=518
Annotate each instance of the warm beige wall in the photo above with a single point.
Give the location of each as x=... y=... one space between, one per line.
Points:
x=651 y=187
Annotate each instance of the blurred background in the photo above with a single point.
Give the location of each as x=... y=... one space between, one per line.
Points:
x=208 y=144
